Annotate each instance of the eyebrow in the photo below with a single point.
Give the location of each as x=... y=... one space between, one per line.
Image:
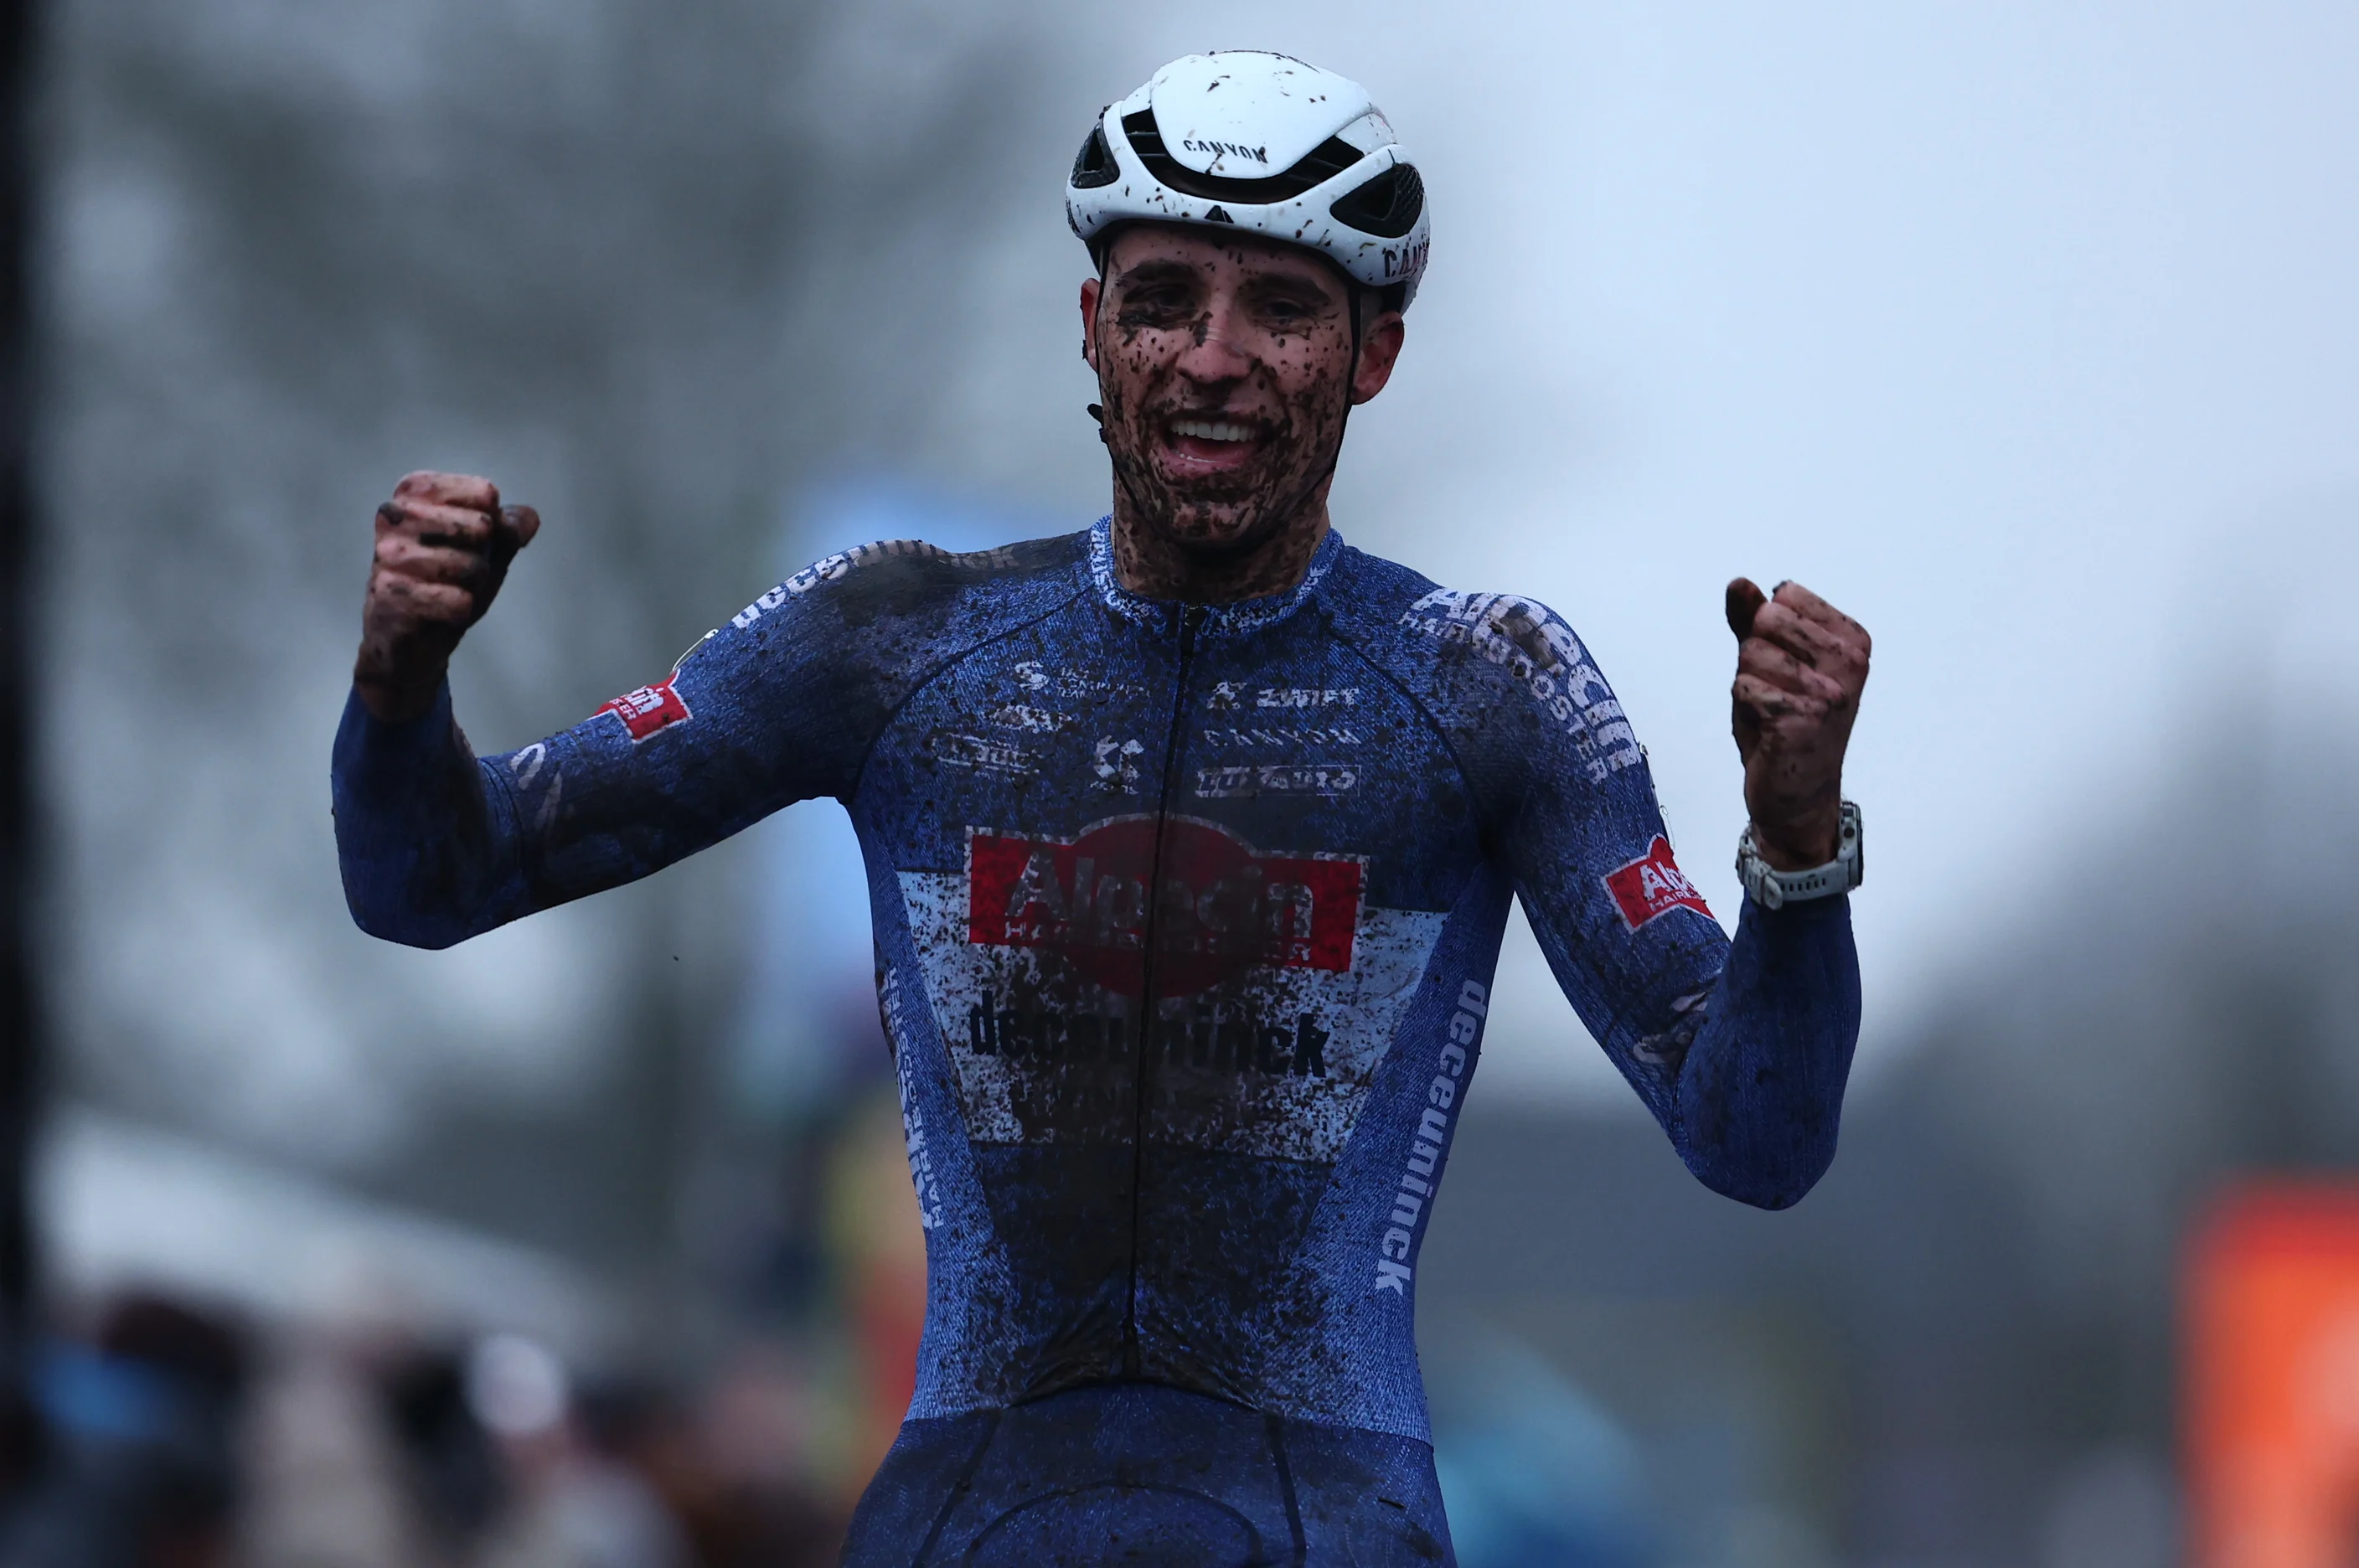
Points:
x=1162 y=269
x=1157 y=270
x=1300 y=282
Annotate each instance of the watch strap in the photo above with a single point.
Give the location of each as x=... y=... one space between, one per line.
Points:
x=1773 y=889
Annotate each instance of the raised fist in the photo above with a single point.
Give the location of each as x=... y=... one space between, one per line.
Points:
x=1800 y=667
x=443 y=544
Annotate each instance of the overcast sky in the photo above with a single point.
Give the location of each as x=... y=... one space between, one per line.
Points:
x=2027 y=333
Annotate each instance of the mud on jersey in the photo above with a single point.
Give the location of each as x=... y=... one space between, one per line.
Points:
x=1186 y=919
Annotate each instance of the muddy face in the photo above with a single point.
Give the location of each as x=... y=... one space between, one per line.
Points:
x=1225 y=365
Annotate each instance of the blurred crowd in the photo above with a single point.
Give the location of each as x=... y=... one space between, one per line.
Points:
x=169 y=1434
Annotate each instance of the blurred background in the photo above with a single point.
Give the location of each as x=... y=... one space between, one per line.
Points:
x=2024 y=330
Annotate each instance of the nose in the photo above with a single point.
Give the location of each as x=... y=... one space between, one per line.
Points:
x=1216 y=355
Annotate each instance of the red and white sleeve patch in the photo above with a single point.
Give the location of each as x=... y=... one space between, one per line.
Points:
x=1653 y=885
x=648 y=709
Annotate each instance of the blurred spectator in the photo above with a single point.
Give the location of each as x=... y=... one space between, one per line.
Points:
x=877 y=1245
x=1534 y=1472
x=742 y=1474
x=575 y=1505
x=452 y=1461
x=490 y=1458
x=142 y=1468
x=327 y=1488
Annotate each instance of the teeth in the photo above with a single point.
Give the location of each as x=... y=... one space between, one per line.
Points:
x=1210 y=429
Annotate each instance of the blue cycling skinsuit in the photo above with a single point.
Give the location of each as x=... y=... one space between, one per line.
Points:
x=1186 y=918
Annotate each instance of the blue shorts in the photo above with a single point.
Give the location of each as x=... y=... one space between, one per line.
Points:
x=1144 y=1475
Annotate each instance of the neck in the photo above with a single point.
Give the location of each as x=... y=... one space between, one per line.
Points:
x=1150 y=564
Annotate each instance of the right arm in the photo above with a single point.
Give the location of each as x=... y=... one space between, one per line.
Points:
x=437 y=847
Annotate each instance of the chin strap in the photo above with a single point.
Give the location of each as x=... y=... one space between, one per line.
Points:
x=1350 y=375
x=1098 y=252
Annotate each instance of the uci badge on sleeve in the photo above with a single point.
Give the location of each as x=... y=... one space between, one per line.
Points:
x=1653 y=885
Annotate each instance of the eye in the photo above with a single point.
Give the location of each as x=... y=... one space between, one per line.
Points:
x=1291 y=311
x=1156 y=302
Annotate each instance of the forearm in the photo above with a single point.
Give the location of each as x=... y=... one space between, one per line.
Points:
x=427 y=851
x=1760 y=1094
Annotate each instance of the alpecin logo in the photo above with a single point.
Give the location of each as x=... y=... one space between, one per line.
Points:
x=1653 y=885
x=1224 y=907
x=648 y=709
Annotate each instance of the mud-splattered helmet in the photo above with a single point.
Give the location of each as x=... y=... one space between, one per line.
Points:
x=1264 y=143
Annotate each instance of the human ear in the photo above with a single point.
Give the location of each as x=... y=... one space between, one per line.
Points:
x=1090 y=323
x=1380 y=348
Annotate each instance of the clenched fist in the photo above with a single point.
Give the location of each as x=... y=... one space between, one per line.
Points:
x=1800 y=667
x=443 y=544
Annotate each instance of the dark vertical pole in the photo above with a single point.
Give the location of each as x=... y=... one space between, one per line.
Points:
x=21 y=1011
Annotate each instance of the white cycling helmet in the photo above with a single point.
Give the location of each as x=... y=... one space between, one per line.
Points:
x=1267 y=144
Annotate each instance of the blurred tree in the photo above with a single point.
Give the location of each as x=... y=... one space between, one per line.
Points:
x=645 y=266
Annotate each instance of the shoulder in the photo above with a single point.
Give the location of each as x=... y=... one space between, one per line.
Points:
x=866 y=625
x=1500 y=639
x=900 y=580
x=1476 y=659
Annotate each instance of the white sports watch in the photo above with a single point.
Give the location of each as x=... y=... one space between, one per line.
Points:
x=1772 y=889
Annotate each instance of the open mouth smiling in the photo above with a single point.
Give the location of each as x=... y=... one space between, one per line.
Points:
x=1202 y=445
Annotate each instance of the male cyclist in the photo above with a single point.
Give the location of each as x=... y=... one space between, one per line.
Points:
x=1191 y=838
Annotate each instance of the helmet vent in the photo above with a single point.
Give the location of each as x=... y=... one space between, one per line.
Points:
x=1387 y=206
x=1094 y=165
x=1321 y=164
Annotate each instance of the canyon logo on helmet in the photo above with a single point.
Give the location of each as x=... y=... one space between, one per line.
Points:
x=1264 y=143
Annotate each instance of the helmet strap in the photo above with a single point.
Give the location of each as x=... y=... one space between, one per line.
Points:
x=1352 y=293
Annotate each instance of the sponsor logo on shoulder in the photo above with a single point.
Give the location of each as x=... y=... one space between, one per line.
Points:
x=648 y=709
x=1652 y=886
x=1541 y=652
x=828 y=569
x=839 y=565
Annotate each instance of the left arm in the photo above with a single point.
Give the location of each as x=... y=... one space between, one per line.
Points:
x=1741 y=1049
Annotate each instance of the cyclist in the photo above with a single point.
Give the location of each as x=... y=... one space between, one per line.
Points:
x=1191 y=839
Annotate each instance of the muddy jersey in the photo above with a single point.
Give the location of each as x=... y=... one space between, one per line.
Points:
x=1186 y=919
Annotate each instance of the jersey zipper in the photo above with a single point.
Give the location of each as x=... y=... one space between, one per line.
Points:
x=1191 y=618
